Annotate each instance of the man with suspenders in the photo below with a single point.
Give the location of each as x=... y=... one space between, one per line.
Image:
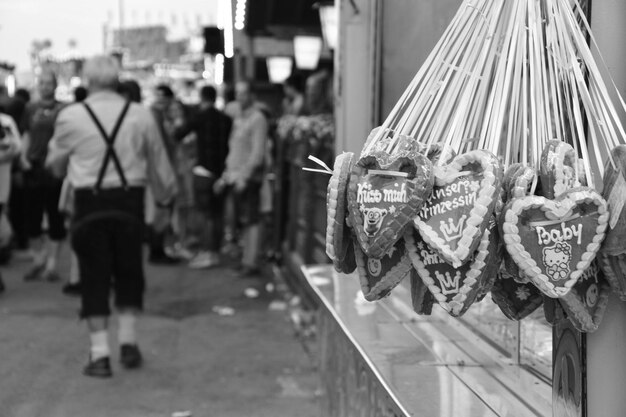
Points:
x=111 y=150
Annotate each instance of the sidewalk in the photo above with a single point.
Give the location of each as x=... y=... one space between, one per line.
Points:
x=248 y=364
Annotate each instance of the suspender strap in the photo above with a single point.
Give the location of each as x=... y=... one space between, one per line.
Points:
x=110 y=150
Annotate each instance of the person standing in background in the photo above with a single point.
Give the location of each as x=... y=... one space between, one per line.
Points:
x=16 y=205
x=9 y=149
x=111 y=150
x=243 y=175
x=169 y=113
x=212 y=128
x=41 y=189
x=293 y=103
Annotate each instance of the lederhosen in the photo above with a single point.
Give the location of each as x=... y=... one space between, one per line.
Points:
x=106 y=235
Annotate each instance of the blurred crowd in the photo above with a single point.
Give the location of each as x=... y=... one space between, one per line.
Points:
x=109 y=175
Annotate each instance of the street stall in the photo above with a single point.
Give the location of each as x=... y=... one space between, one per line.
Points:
x=475 y=232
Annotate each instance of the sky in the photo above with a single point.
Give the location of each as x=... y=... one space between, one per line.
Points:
x=22 y=21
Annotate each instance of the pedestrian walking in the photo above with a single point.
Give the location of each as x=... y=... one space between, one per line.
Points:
x=243 y=176
x=41 y=189
x=111 y=150
x=212 y=128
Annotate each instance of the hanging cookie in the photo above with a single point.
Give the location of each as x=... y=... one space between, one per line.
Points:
x=516 y=300
x=339 y=244
x=387 y=188
x=554 y=241
x=454 y=288
x=421 y=298
x=453 y=219
x=586 y=302
x=517 y=182
x=558 y=169
x=379 y=276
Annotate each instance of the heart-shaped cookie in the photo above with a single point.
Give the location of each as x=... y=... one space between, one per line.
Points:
x=379 y=276
x=516 y=183
x=615 y=195
x=453 y=219
x=385 y=193
x=554 y=241
x=558 y=167
x=421 y=298
x=516 y=300
x=454 y=288
x=614 y=268
x=338 y=240
x=586 y=302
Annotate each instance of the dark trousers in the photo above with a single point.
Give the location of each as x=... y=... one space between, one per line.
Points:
x=107 y=238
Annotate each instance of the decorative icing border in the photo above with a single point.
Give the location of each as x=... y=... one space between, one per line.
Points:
x=336 y=204
x=606 y=263
x=486 y=197
x=561 y=206
x=418 y=188
x=457 y=305
x=579 y=315
x=388 y=282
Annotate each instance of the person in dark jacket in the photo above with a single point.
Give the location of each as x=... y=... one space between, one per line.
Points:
x=212 y=128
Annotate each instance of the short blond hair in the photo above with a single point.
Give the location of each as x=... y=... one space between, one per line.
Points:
x=101 y=71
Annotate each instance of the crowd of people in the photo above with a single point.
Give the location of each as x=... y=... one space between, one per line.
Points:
x=107 y=174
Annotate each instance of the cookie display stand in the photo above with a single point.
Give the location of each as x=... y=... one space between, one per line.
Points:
x=502 y=82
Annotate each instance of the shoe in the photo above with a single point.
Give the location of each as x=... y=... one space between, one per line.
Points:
x=178 y=251
x=204 y=260
x=162 y=259
x=34 y=274
x=100 y=368
x=73 y=290
x=130 y=356
x=50 y=276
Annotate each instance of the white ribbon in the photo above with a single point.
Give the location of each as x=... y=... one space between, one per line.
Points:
x=321 y=163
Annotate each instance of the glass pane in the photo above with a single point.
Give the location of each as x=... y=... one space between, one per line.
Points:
x=536 y=343
x=486 y=319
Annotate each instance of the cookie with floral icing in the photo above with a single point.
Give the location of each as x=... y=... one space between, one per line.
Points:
x=454 y=217
x=554 y=241
x=515 y=299
x=387 y=188
x=379 y=276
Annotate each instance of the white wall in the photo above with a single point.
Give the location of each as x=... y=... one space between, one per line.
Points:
x=606 y=348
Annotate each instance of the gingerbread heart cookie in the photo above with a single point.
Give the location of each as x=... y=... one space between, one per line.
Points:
x=586 y=302
x=385 y=193
x=338 y=240
x=615 y=195
x=421 y=298
x=379 y=276
x=614 y=269
x=453 y=219
x=516 y=183
x=516 y=300
x=554 y=241
x=558 y=168
x=454 y=288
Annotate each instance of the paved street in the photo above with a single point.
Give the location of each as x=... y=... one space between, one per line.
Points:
x=246 y=365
